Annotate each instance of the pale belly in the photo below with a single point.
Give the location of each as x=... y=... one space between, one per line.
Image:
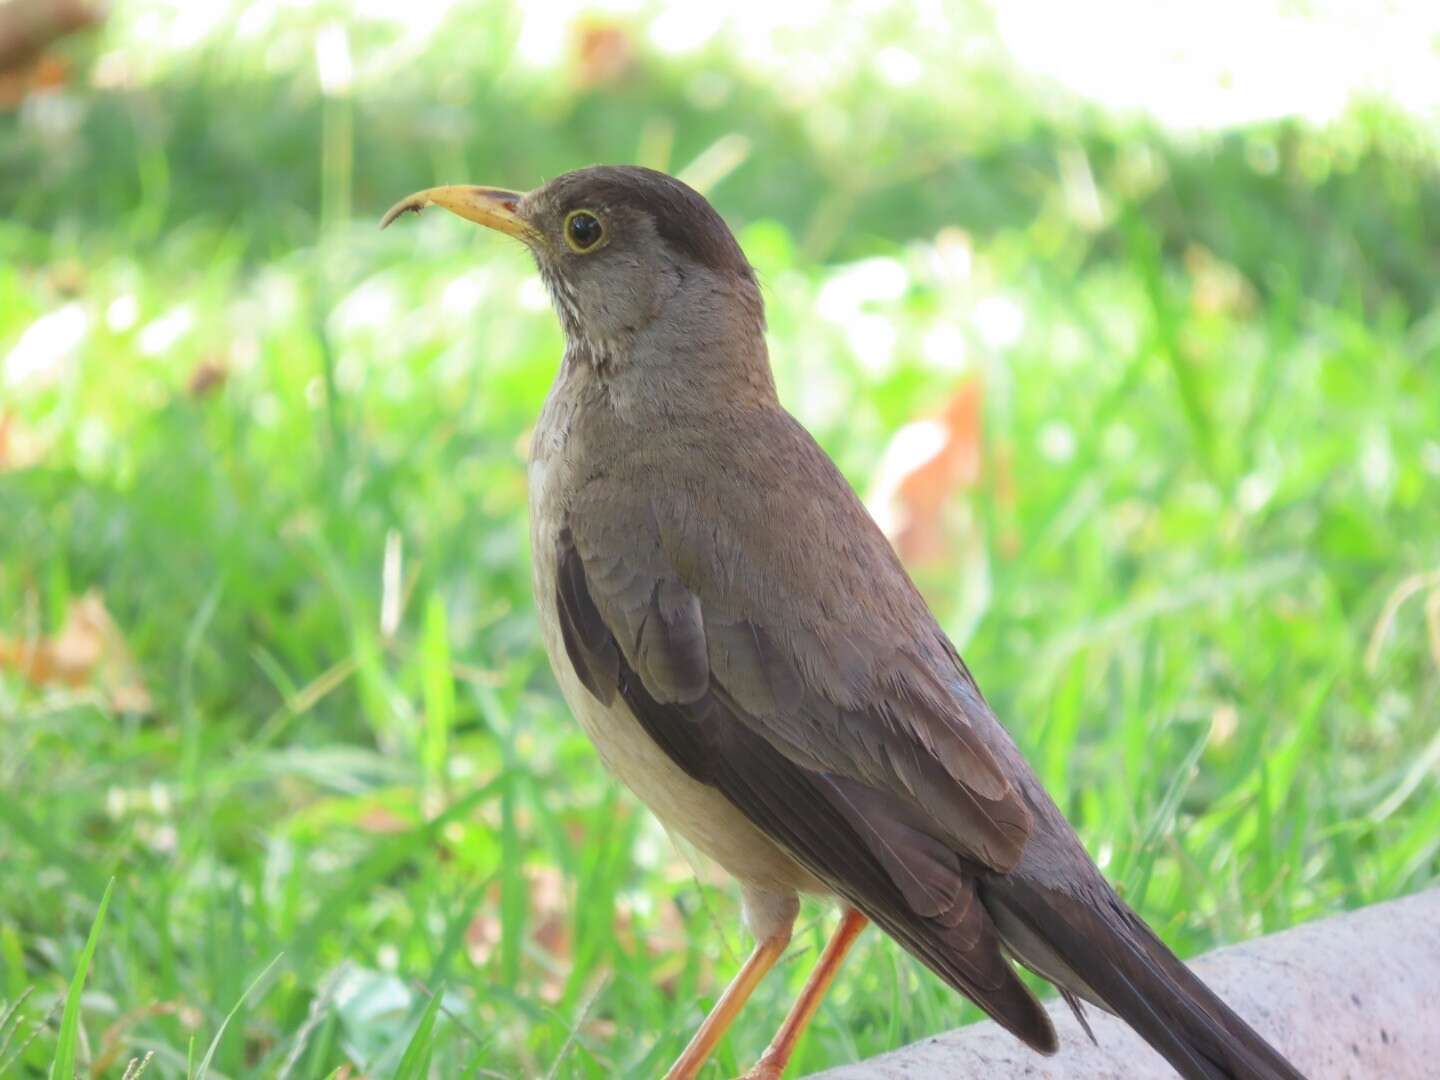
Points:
x=693 y=810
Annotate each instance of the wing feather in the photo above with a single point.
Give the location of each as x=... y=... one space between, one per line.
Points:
x=874 y=843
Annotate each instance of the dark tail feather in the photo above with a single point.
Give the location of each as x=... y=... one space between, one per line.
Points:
x=1095 y=947
x=978 y=970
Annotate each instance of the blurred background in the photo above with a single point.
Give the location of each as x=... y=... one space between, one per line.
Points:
x=1124 y=316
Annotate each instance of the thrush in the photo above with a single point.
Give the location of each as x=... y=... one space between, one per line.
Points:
x=749 y=657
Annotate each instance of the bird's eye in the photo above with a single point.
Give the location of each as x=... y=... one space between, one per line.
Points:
x=582 y=230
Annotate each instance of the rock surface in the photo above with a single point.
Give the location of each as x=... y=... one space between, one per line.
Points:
x=1352 y=997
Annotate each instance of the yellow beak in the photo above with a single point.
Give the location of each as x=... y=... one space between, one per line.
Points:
x=495 y=208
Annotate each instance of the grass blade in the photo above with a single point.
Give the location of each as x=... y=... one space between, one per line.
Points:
x=439 y=690
x=63 y=1064
x=203 y=1069
x=415 y=1063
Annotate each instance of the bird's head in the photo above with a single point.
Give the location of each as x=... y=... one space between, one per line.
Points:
x=640 y=268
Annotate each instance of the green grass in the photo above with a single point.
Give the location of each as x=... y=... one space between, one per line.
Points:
x=1212 y=455
x=67 y=1043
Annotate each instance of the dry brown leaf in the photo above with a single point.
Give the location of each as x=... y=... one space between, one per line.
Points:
x=1216 y=287
x=116 y=1039
x=89 y=651
x=68 y=277
x=27 y=29
x=1432 y=625
x=20 y=448
x=549 y=918
x=382 y=820
x=482 y=936
x=1425 y=584
x=50 y=72
x=207 y=376
x=604 y=54
x=926 y=463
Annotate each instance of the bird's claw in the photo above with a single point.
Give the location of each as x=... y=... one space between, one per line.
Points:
x=763 y=1070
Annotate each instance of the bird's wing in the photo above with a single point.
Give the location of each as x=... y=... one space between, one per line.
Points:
x=843 y=726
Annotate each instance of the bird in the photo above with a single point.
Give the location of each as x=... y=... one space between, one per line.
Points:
x=749 y=656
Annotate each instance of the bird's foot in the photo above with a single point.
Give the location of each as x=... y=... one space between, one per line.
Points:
x=764 y=1069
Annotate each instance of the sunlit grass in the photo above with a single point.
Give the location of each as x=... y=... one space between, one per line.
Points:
x=290 y=460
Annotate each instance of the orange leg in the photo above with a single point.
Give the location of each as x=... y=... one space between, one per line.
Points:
x=772 y=1063
x=761 y=960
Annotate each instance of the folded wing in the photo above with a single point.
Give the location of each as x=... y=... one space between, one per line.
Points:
x=854 y=754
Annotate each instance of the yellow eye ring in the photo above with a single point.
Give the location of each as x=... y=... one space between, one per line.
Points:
x=583 y=231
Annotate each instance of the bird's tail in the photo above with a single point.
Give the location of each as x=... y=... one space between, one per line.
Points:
x=1091 y=945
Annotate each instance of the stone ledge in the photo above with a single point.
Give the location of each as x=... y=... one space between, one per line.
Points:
x=1356 y=996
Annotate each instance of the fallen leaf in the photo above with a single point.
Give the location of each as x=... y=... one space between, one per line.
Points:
x=27 y=29
x=482 y=936
x=207 y=376
x=548 y=915
x=116 y=1039
x=28 y=26
x=50 y=72
x=20 y=448
x=924 y=465
x=604 y=54
x=89 y=651
x=1426 y=584
x=1432 y=625
x=1224 y=722
x=1217 y=287
x=383 y=821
